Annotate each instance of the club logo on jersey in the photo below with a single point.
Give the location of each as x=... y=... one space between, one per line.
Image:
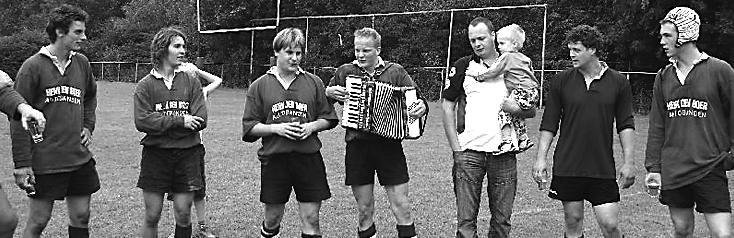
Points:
x=687 y=107
x=289 y=109
x=173 y=108
x=447 y=82
x=63 y=94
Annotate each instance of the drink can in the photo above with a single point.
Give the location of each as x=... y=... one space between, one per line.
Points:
x=35 y=131
x=653 y=189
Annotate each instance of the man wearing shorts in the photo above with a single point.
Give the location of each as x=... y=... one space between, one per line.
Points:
x=587 y=101
x=58 y=81
x=16 y=108
x=367 y=153
x=287 y=107
x=170 y=110
x=689 y=139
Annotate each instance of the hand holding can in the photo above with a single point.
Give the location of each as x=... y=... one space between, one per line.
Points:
x=35 y=131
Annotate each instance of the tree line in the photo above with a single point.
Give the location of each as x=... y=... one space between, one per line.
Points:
x=121 y=30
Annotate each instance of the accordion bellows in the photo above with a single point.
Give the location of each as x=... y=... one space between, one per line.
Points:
x=380 y=108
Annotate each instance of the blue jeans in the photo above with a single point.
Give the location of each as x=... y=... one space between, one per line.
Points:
x=468 y=172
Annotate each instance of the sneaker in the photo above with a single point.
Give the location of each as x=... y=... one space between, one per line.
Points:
x=204 y=232
x=172 y=235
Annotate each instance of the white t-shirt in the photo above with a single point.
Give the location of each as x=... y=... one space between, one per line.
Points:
x=483 y=104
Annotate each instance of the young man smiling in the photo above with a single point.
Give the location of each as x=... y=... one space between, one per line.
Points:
x=287 y=108
x=59 y=82
x=170 y=110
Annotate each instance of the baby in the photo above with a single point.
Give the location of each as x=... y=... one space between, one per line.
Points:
x=522 y=87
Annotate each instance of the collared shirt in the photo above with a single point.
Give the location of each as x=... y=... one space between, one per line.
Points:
x=380 y=65
x=682 y=75
x=586 y=118
x=274 y=71
x=62 y=68
x=588 y=81
x=185 y=67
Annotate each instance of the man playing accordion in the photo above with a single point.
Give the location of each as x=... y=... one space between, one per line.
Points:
x=368 y=152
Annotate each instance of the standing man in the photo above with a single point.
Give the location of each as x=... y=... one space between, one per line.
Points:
x=287 y=108
x=368 y=153
x=170 y=110
x=472 y=127
x=691 y=129
x=59 y=82
x=15 y=107
x=587 y=100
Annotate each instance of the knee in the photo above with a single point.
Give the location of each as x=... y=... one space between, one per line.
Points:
x=574 y=220
x=80 y=218
x=183 y=216
x=682 y=230
x=401 y=205
x=366 y=209
x=609 y=227
x=38 y=222
x=151 y=219
x=311 y=219
x=8 y=222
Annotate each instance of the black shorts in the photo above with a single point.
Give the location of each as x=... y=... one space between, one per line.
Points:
x=303 y=173
x=201 y=193
x=709 y=194
x=171 y=170
x=365 y=157
x=595 y=190
x=83 y=181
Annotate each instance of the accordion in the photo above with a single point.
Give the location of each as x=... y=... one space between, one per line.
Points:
x=381 y=108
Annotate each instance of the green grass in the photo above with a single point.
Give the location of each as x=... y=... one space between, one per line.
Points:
x=233 y=182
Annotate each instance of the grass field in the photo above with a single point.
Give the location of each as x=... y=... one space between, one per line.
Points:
x=233 y=182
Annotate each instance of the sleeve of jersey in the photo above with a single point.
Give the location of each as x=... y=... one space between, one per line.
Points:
x=553 y=106
x=90 y=101
x=656 y=130
x=253 y=113
x=20 y=139
x=324 y=107
x=9 y=101
x=454 y=83
x=339 y=79
x=197 y=107
x=147 y=120
x=728 y=77
x=623 y=107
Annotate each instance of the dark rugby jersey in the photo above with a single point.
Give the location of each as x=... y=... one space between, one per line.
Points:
x=584 y=147
x=690 y=125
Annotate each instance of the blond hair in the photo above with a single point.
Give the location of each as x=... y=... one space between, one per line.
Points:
x=516 y=33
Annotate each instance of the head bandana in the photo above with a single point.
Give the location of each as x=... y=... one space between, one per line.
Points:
x=687 y=22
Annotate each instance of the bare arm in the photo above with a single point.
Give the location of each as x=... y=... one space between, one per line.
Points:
x=214 y=81
x=449 y=124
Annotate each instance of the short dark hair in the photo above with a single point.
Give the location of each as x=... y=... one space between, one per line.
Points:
x=589 y=36
x=160 y=43
x=484 y=20
x=289 y=37
x=62 y=17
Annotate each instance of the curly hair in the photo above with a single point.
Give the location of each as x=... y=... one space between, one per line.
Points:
x=160 y=43
x=289 y=37
x=61 y=18
x=589 y=36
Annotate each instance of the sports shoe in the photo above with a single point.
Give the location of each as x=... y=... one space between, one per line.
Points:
x=204 y=232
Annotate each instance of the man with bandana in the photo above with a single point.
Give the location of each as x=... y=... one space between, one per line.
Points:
x=691 y=129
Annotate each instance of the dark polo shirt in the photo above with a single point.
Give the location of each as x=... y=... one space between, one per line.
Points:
x=586 y=117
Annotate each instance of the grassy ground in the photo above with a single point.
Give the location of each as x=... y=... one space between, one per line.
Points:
x=233 y=178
